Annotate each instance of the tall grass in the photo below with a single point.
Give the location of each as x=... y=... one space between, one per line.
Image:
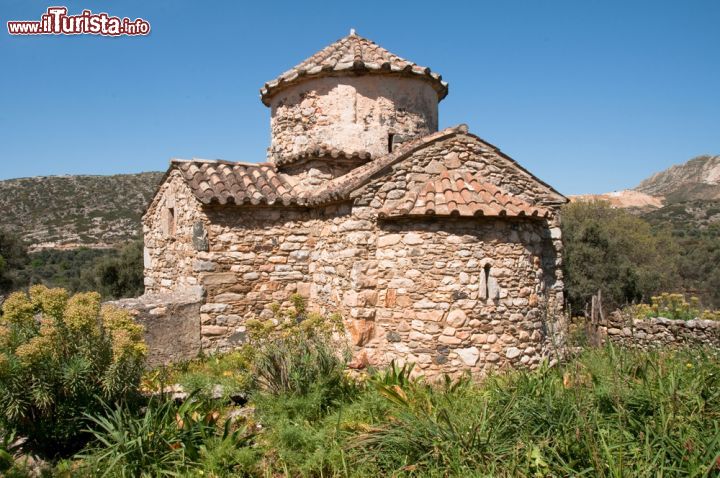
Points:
x=609 y=413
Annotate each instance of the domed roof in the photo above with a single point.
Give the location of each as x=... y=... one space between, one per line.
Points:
x=352 y=55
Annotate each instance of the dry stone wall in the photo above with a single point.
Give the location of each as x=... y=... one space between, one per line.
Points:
x=660 y=332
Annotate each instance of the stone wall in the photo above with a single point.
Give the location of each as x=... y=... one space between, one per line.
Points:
x=409 y=290
x=464 y=294
x=351 y=114
x=175 y=230
x=465 y=152
x=449 y=293
x=262 y=256
x=660 y=332
x=172 y=328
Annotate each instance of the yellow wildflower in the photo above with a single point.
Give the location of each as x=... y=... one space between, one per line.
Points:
x=18 y=309
x=50 y=301
x=82 y=311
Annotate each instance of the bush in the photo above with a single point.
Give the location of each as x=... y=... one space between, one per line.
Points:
x=610 y=412
x=59 y=357
x=114 y=273
x=296 y=350
x=121 y=275
x=299 y=364
x=165 y=441
x=13 y=256
x=223 y=375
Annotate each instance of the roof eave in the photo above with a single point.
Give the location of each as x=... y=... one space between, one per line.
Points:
x=270 y=90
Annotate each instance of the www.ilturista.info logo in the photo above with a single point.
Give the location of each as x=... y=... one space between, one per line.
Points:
x=57 y=22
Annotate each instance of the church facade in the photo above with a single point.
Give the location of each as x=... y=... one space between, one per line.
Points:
x=434 y=246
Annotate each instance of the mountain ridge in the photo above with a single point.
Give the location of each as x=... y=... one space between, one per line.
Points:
x=697 y=179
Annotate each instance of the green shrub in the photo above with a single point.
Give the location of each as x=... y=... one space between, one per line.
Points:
x=120 y=275
x=297 y=351
x=609 y=412
x=164 y=441
x=59 y=357
x=13 y=257
x=299 y=364
x=226 y=375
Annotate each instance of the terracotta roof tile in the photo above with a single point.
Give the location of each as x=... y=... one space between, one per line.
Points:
x=342 y=187
x=356 y=55
x=457 y=193
x=321 y=151
x=224 y=182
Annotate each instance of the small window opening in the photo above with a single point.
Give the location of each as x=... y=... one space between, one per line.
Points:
x=171 y=221
x=487 y=280
x=391 y=136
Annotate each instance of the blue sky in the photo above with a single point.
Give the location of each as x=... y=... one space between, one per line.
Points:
x=591 y=96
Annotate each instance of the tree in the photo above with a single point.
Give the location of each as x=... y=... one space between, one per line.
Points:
x=13 y=257
x=121 y=275
x=611 y=250
x=698 y=261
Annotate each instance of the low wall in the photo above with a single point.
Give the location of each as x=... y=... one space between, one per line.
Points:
x=172 y=325
x=660 y=332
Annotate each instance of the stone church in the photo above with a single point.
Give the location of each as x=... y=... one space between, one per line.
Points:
x=434 y=246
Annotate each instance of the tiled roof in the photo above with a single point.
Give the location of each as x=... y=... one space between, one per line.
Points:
x=355 y=55
x=341 y=187
x=322 y=151
x=225 y=182
x=457 y=193
x=344 y=186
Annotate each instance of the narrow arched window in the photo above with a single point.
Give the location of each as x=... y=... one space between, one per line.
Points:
x=486 y=282
x=170 y=221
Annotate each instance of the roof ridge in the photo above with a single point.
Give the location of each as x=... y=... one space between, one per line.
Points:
x=218 y=161
x=352 y=54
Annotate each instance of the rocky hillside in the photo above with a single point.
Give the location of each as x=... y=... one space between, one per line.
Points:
x=626 y=199
x=699 y=178
x=69 y=211
x=696 y=182
x=686 y=215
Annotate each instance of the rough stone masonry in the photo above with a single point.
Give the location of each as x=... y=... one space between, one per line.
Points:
x=434 y=246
